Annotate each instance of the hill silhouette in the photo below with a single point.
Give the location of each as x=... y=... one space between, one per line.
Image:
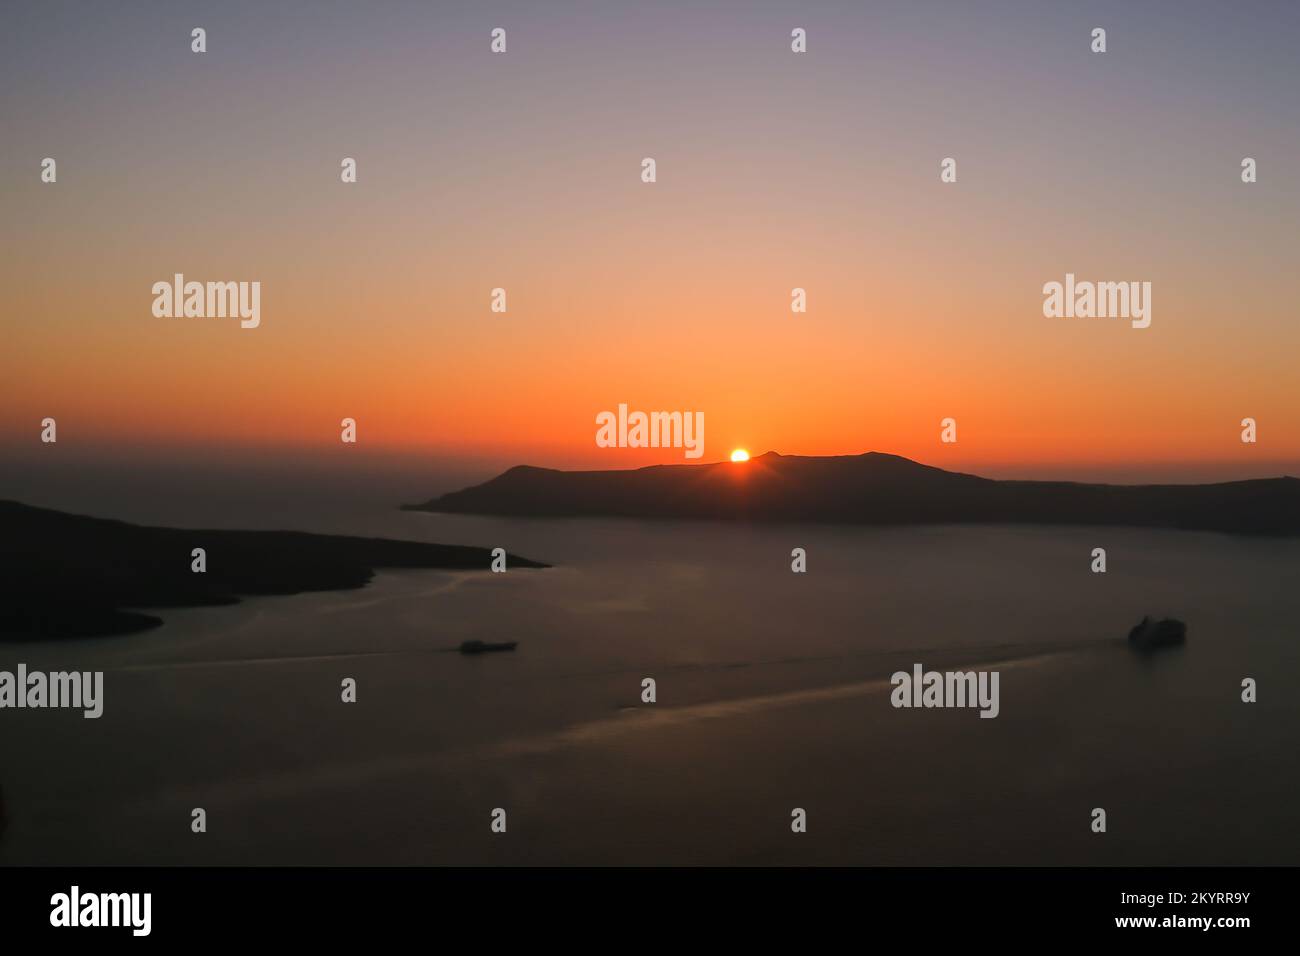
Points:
x=873 y=488
x=64 y=575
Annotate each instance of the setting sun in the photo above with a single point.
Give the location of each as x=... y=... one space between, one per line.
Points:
x=740 y=455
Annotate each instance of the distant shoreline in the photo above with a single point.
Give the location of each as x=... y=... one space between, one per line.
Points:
x=873 y=489
x=70 y=576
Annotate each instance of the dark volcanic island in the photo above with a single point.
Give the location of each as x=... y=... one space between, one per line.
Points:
x=874 y=488
x=65 y=575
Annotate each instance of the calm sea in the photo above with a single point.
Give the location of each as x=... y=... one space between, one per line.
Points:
x=772 y=694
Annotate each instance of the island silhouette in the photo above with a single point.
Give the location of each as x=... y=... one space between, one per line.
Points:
x=65 y=575
x=873 y=488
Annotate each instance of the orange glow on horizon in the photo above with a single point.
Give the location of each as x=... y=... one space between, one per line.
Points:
x=376 y=296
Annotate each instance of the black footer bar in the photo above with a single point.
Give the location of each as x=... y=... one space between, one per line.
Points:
x=615 y=906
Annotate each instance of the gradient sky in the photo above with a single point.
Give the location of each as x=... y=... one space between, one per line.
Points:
x=775 y=170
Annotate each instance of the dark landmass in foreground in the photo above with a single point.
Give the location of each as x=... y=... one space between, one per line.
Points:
x=874 y=488
x=65 y=575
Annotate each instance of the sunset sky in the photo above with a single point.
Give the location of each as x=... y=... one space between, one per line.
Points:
x=775 y=170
